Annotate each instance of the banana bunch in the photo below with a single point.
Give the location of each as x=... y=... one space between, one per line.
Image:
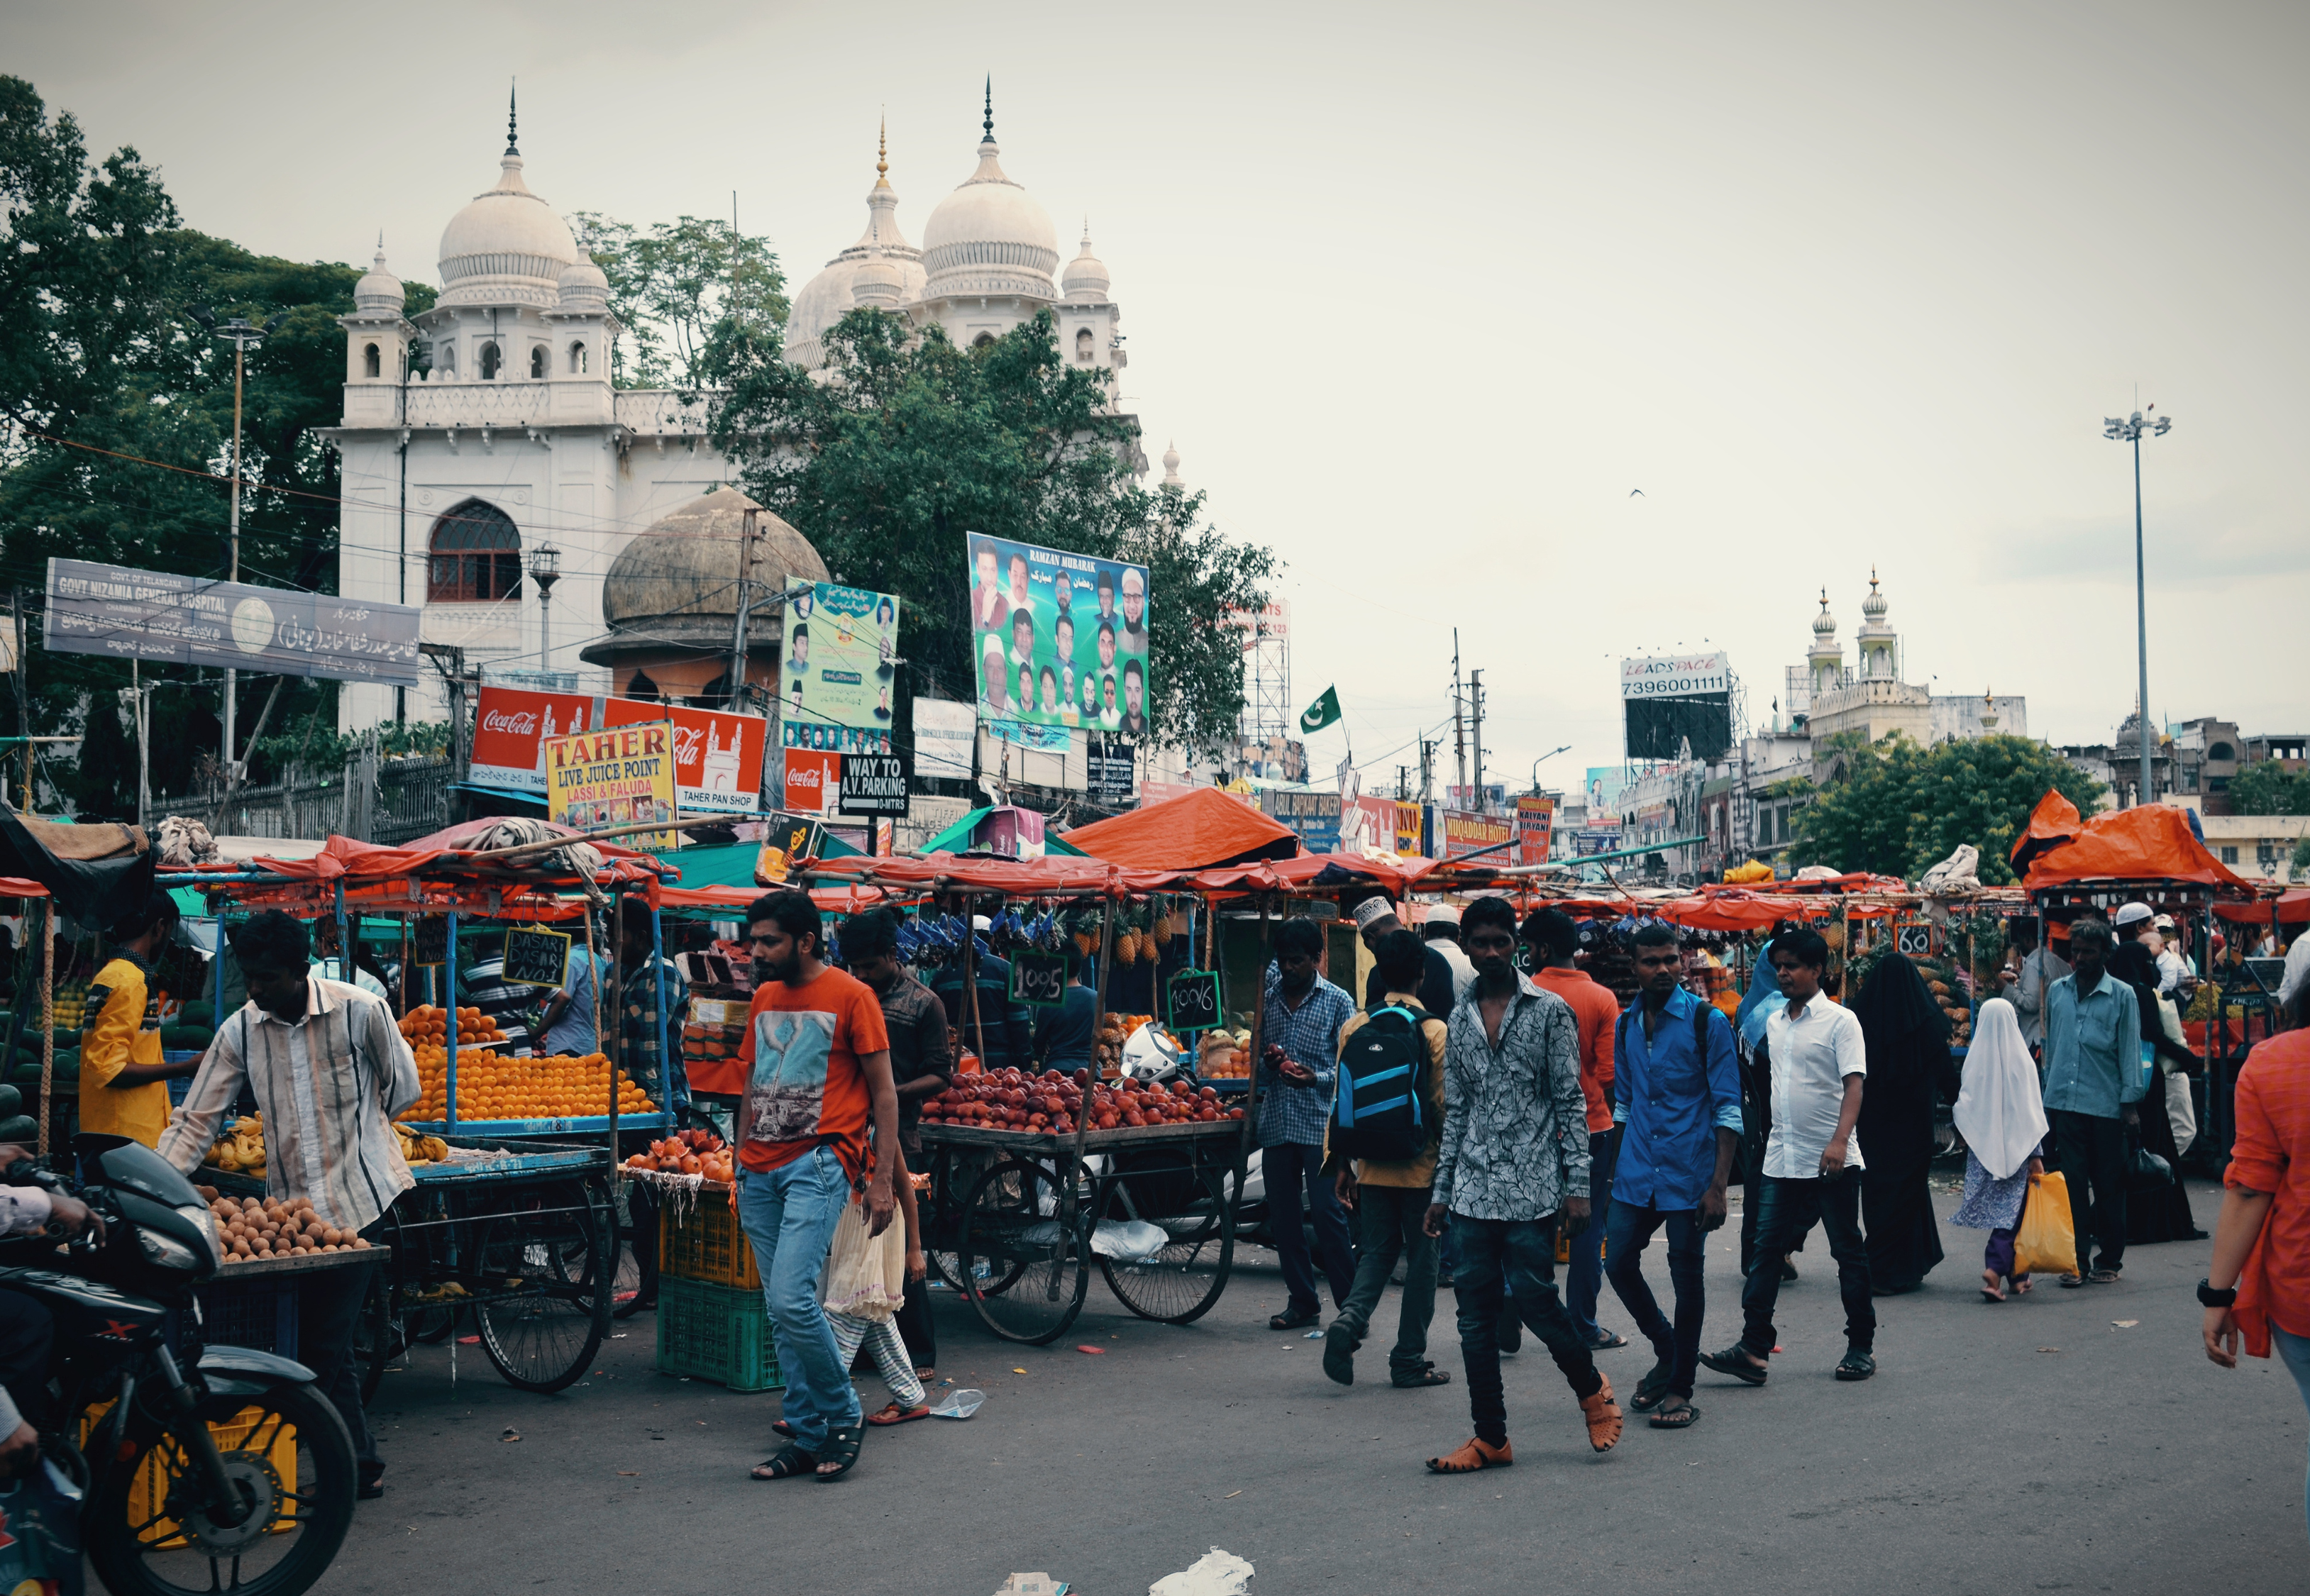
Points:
x=241 y=1150
x=420 y=1149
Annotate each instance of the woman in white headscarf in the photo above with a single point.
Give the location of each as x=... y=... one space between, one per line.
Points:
x=2002 y=1115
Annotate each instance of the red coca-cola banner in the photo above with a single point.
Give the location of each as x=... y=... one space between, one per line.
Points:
x=718 y=758
x=813 y=780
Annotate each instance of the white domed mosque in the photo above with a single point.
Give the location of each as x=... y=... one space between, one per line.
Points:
x=503 y=455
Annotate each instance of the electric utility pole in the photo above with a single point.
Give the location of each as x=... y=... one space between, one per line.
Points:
x=1476 y=715
x=1459 y=733
x=243 y=334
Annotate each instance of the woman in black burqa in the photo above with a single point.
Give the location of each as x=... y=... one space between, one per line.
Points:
x=1908 y=1062
x=2158 y=1211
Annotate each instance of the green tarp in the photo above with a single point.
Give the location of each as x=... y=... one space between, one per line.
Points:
x=956 y=837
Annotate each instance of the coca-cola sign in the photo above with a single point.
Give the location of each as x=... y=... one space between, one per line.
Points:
x=812 y=778
x=718 y=758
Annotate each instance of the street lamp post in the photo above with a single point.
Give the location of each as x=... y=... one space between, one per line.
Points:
x=1543 y=759
x=545 y=570
x=243 y=333
x=2130 y=430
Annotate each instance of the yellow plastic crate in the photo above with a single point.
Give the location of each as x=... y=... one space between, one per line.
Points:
x=150 y=1483
x=706 y=1244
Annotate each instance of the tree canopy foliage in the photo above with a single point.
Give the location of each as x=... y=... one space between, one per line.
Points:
x=1899 y=808
x=2267 y=788
x=906 y=444
x=673 y=284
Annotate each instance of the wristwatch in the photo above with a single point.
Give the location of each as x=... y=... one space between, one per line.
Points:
x=2217 y=1300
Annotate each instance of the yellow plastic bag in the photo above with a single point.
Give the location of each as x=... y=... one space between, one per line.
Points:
x=2046 y=1241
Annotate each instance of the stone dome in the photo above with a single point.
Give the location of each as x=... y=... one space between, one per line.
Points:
x=378 y=292
x=585 y=289
x=508 y=247
x=990 y=236
x=1086 y=277
x=677 y=582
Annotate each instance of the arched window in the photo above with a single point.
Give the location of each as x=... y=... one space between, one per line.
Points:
x=537 y=361
x=474 y=556
x=577 y=360
x=2222 y=751
x=984 y=340
x=370 y=364
x=491 y=360
x=447 y=357
x=641 y=686
x=1084 y=354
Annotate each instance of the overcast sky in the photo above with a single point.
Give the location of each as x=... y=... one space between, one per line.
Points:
x=1424 y=293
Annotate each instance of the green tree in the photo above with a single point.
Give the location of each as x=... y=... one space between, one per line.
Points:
x=1897 y=809
x=2301 y=861
x=2267 y=788
x=907 y=443
x=673 y=284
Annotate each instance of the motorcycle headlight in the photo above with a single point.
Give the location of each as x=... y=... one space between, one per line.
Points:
x=203 y=1220
x=166 y=1251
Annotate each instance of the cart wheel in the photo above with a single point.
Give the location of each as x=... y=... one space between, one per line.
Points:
x=943 y=1220
x=1026 y=1267
x=547 y=1303
x=1179 y=1284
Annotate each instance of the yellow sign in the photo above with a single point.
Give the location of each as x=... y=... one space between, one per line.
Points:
x=621 y=777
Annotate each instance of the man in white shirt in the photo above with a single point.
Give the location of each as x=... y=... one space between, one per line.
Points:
x=1812 y=1162
x=2026 y=983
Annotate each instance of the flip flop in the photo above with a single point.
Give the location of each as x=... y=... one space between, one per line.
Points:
x=1652 y=1390
x=894 y=1414
x=1608 y=1340
x=1676 y=1419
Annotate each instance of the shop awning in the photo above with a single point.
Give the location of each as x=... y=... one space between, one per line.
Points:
x=2150 y=842
x=2291 y=908
x=1191 y=832
x=2054 y=821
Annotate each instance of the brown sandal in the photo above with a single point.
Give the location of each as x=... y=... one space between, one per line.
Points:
x=894 y=1414
x=1473 y=1454
x=1602 y=1416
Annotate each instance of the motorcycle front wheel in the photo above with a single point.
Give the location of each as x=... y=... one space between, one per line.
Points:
x=153 y=1531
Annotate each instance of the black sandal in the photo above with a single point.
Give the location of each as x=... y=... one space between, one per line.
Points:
x=1676 y=1419
x=1293 y=1318
x=1735 y=1361
x=841 y=1449
x=1427 y=1375
x=1652 y=1390
x=790 y=1461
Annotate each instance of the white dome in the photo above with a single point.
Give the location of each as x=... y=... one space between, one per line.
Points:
x=831 y=295
x=878 y=282
x=989 y=236
x=1824 y=625
x=1875 y=605
x=507 y=247
x=585 y=289
x=1086 y=277
x=378 y=292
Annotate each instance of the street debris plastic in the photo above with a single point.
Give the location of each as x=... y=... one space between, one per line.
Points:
x=1031 y=1585
x=960 y=1404
x=1128 y=1241
x=1216 y=1574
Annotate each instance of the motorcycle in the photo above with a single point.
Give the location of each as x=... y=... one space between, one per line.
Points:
x=203 y=1468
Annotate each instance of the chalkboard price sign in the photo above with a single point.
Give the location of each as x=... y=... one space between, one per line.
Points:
x=536 y=958
x=1039 y=979
x=432 y=941
x=1913 y=941
x=1194 y=1002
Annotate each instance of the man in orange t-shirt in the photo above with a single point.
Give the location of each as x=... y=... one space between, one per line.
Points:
x=1554 y=938
x=817 y=1063
x=2258 y=1284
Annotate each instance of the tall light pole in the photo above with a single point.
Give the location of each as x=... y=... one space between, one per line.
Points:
x=545 y=570
x=243 y=333
x=2130 y=430
x=1543 y=759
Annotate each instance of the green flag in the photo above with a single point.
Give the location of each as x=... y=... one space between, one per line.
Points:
x=1322 y=712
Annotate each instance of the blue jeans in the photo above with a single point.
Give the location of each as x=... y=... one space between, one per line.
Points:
x=1628 y=1232
x=788 y=1215
x=2294 y=1352
x=1586 y=1270
x=1520 y=1254
x=1289 y=1168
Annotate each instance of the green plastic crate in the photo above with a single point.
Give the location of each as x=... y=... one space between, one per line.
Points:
x=715 y=1333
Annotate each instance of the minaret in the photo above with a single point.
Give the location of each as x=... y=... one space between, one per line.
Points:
x=1171 y=468
x=1875 y=638
x=1827 y=660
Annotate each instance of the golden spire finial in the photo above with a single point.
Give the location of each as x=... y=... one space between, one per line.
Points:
x=883 y=148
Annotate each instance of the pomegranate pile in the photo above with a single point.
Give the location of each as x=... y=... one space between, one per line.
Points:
x=1050 y=1103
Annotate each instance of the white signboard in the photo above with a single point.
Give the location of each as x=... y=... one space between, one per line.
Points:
x=944 y=730
x=1683 y=676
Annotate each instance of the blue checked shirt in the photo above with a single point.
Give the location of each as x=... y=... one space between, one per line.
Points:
x=1309 y=1034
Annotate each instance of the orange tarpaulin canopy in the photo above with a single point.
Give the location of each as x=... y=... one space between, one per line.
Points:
x=1200 y=828
x=2149 y=842
x=2056 y=819
x=2292 y=908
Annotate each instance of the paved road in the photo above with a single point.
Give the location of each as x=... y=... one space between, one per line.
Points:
x=2034 y=1446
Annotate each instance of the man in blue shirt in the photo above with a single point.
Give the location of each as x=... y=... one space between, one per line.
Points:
x=1676 y=1096
x=1000 y=1033
x=1299 y=1033
x=2093 y=1082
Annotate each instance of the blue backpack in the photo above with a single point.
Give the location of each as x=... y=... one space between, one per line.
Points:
x=1376 y=1112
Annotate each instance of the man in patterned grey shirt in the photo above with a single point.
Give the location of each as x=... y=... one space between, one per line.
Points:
x=1514 y=1166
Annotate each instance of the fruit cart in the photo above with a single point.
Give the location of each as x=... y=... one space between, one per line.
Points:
x=514 y=1212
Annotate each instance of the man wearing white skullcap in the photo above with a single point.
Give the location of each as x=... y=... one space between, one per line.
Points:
x=1374 y=917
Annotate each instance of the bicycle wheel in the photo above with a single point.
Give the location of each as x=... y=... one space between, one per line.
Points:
x=1025 y=1253
x=546 y=1306
x=1179 y=1282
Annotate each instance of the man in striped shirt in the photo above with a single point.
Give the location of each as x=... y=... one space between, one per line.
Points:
x=329 y=1070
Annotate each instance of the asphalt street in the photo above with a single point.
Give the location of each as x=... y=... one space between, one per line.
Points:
x=2075 y=1440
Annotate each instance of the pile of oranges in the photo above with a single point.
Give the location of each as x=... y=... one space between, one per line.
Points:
x=426 y=1028
x=494 y=1088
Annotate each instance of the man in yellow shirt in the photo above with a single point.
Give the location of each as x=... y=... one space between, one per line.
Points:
x=1392 y=1197
x=123 y=1083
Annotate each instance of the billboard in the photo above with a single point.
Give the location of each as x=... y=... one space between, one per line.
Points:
x=1535 y=820
x=1315 y=816
x=1467 y=832
x=1678 y=707
x=122 y=613
x=618 y=778
x=840 y=651
x=818 y=736
x=1410 y=830
x=1060 y=639
x=1113 y=775
x=945 y=731
x=812 y=778
x=718 y=758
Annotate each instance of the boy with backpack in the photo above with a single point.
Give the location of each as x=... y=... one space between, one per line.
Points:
x=1387 y=1117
